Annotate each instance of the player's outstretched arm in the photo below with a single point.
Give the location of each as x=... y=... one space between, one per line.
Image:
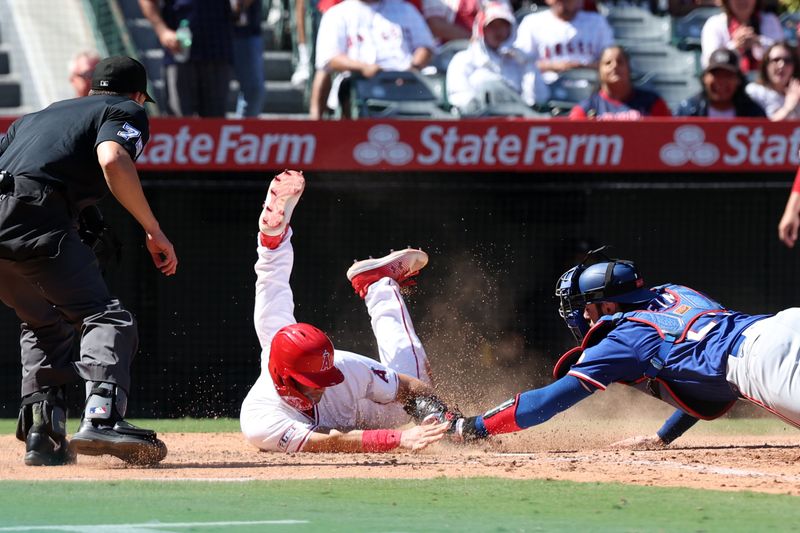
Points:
x=675 y=426
x=524 y=410
x=123 y=182
x=376 y=440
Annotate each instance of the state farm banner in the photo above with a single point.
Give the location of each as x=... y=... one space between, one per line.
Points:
x=471 y=145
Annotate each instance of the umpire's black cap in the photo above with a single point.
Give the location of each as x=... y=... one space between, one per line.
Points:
x=121 y=74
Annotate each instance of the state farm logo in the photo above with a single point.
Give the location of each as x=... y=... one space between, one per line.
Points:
x=383 y=145
x=689 y=145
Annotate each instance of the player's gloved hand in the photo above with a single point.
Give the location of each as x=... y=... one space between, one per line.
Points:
x=427 y=408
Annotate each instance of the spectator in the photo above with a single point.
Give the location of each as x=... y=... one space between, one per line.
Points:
x=303 y=69
x=451 y=20
x=365 y=37
x=564 y=37
x=723 y=94
x=777 y=89
x=248 y=57
x=81 y=69
x=742 y=27
x=197 y=85
x=491 y=57
x=617 y=98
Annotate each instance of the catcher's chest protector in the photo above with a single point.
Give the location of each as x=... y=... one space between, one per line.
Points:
x=687 y=315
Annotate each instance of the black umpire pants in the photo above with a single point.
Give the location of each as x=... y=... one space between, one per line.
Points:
x=53 y=283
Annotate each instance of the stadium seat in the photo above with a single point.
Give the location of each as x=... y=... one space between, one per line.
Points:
x=570 y=88
x=665 y=59
x=686 y=30
x=436 y=72
x=442 y=58
x=401 y=94
x=633 y=25
x=498 y=100
x=526 y=10
x=673 y=88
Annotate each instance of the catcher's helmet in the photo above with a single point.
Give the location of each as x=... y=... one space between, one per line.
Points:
x=598 y=278
x=301 y=353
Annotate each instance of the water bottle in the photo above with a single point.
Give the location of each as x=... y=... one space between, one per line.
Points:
x=184 y=36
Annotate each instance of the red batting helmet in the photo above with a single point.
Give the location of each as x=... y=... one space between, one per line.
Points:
x=301 y=353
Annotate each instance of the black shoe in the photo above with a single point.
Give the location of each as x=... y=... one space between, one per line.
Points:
x=41 y=450
x=125 y=441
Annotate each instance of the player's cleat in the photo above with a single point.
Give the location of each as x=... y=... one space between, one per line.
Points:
x=284 y=191
x=42 y=450
x=401 y=266
x=125 y=441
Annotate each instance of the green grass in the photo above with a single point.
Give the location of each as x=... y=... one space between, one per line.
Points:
x=164 y=425
x=723 y=426
x=475 y=504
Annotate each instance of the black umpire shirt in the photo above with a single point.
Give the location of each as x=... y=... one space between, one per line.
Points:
x=57 y=147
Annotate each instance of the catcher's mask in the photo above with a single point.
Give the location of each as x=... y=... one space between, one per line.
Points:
x=598 y=278
x=301 y=353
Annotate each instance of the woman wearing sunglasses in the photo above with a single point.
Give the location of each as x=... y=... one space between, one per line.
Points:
x=778 y=88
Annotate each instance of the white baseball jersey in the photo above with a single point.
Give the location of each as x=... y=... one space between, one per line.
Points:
x=766 y=370
x=582 y=39
x=385 y=33
x=770 y=100
x=472 y=68
x=715 y=35
x=366 y=397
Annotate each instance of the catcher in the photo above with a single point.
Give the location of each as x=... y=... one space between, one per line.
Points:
x=670 y=341
x=311 y=397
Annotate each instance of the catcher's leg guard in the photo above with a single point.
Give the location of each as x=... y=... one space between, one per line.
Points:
x=104 y=432
x=42 y=425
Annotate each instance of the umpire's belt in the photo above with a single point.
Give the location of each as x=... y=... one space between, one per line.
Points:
x=9 y=184
x=6 y=182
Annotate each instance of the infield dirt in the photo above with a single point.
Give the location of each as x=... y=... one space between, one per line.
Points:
x=573 y=446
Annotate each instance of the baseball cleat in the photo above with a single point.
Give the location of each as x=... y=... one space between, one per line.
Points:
x=125 y=441
x=400 y=266
x=284 y=191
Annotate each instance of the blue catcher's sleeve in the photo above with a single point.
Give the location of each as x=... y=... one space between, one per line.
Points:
x=675 y=426
x=532 y=407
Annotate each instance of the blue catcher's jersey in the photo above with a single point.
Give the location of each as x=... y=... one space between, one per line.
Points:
x=620 y=349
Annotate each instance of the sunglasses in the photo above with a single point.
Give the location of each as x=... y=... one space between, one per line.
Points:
x=786 y=60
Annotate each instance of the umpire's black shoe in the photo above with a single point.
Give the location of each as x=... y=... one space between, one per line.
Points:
x=132 y=444
x=42 y=450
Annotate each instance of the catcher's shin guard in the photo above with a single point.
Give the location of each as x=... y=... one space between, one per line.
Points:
x=42 y=425
x=503 y=418
x=104 y=432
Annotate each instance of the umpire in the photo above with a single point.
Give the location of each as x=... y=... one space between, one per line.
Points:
x=53 y=164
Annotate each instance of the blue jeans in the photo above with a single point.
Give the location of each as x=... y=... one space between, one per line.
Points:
x=248 y=66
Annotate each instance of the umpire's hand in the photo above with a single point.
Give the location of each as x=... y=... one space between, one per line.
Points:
x=162 y=252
